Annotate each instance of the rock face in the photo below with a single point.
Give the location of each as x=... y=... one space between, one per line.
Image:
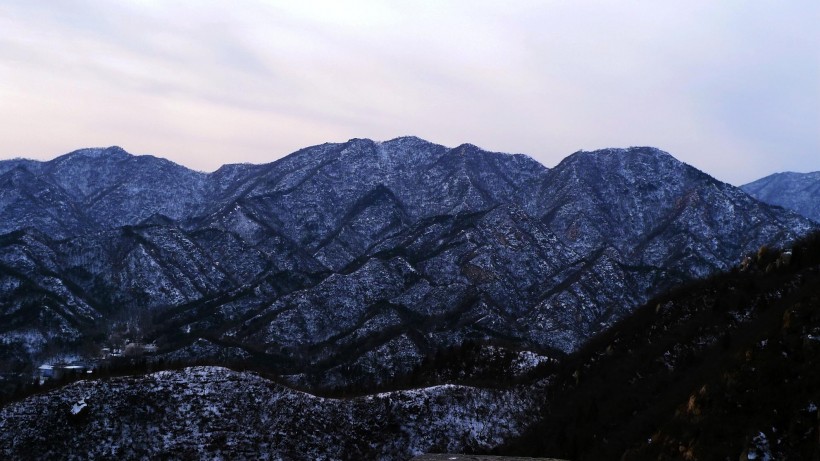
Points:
x=799 y=192
x=350 y=263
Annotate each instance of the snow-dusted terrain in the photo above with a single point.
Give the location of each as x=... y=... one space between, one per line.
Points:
x=342 y=267
x=350 y=263
x=215 y=413
x=799 y=192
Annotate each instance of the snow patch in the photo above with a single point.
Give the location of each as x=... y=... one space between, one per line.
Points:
x=78 y=406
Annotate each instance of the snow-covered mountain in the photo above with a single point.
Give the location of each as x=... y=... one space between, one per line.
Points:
x=799 y=192
x=350 y=263
x=724 y=368
x=94 y=189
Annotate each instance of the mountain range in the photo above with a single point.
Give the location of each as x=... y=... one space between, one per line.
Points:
x=421 y=298
x=722 y=368
x=350 y=263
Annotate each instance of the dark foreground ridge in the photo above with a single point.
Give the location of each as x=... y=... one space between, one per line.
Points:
x=722 y=368
x=445 y=457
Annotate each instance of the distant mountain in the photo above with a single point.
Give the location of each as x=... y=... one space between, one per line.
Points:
x=353 y=263
x=799 y=192
x=93 y=189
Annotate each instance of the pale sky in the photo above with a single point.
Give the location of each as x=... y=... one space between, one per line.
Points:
x=731 y=87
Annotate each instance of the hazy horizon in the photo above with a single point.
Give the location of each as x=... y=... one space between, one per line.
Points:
x=730 y=88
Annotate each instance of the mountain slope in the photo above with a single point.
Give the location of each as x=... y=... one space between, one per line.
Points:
x=799 y=192
x=309 y=196
x=95 y=189
x=29 y=201
x=724 y=368
x=342 y=256
x=658 y=211
x=198 y=413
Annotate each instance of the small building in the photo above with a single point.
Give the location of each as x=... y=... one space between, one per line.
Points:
x=74 y=369
x=45 y=371
x=48 y=371
x=136 y=349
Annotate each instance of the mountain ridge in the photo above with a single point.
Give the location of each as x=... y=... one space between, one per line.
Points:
x=799 y=192
x=343 y=254
x=697 y=372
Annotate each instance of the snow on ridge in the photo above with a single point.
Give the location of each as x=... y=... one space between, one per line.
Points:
x=206 y=410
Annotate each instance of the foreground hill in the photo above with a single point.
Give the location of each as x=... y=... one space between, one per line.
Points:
x=215 y=413
x=725 y=368
x=352 y=263
x=799 y=192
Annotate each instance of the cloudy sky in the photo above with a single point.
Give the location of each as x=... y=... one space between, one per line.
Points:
x=731 y=87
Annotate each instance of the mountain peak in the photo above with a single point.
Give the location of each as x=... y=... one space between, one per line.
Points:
x=467 y=148
x=409 y=142
x=364 y=142
x=613 y=160
x=627 y=152
x=97 y=152
x=408 y=139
